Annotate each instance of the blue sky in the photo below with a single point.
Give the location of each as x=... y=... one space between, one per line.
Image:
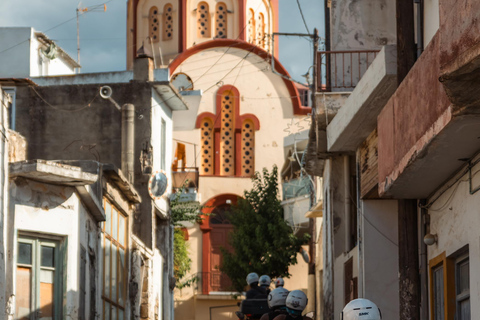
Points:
x=102 y=34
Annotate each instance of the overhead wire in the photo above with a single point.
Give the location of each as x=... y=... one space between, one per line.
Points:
x=303 y=17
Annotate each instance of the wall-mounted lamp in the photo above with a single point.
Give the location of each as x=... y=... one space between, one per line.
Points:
x=430 y=239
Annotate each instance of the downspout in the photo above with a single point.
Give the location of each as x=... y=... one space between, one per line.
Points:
x=361 y=268
x=128 y=141
x=347 y=201
x=419 y=4
x=424 y=222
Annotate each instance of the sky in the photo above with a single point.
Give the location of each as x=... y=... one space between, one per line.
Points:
x=103 y=34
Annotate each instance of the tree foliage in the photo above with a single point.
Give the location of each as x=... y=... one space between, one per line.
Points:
x=262 y=241
x=181 y=212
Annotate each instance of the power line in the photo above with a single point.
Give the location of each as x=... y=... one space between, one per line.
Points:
x=303 y=17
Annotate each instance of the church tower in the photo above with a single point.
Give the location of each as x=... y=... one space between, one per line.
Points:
x=166 y=28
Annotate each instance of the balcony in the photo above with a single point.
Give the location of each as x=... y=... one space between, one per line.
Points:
x=342 y=70
x=214 y=281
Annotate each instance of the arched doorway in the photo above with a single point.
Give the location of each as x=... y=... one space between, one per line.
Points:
x=216 y=229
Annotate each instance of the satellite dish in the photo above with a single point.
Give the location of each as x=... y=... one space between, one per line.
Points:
x=157 y=185
x=182 y=82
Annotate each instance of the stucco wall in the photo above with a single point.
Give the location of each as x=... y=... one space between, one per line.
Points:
x=454 y=219
x=420 y=99
x=380 y=255
x=362 y=25
x=55 y=212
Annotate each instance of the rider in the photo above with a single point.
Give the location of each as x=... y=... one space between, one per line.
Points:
x=255 y=291
x=264 y=283
x=361 y=309
x=276 y=303
x=279 y=282
x=295 y=303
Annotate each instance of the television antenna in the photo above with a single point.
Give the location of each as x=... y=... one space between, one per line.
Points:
x=81 y=10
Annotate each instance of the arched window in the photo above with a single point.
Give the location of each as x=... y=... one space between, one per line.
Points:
x=251 y=26
x=168 y=22
x=247 y=152
x=261 y=30
x=227 y=134
x=208 y=147
x=203 y=20
x=153 y=25
x=221 y=20
x=227 y=137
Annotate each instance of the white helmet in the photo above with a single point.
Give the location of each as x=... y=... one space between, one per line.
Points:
x=252 y=277
x=277 y=298
x=361 y=309
x=279 y=282
x=296 y=302
x=264 y=281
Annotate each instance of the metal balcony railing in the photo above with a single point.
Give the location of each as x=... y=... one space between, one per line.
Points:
x=296 y=187
x=342 y=70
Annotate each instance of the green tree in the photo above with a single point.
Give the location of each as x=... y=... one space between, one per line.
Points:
x=262 y=241
x=181 y=212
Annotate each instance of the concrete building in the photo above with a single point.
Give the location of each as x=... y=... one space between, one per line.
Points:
x=398 y=155
x=136 y=137
x=68 y=240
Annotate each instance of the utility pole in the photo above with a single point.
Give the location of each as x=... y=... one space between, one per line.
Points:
x=97 y=8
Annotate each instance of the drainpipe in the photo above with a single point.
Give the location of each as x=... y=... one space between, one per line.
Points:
x=424 y=222
x=128 y=127
x=346 y=183
x=419 y=4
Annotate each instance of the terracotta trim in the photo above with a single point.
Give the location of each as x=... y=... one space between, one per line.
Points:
x=298 y=109
x=242 y=24
x=251 y=117
x=202 y=116
x=182 y=25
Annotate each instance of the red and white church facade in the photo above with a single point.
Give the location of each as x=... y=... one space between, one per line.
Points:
x=247 y=107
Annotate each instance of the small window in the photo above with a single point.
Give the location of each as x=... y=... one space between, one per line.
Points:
x=462 y=281
x=38 y=289
x=153 y=25
x=114 y=262
x=260 y=30
x=221 y=20
x=168 y=22
x=227 y=134
x=203 y=20
x=207 y=166
x=251 y=26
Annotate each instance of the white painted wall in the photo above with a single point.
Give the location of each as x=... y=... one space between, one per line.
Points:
x=54 y=212
x=454 y=219
x=380 y=255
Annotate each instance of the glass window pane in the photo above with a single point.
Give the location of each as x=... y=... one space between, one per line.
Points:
x=107 y=311
x=46 y=294
x=24 y=253
x=107 y=272
x=47 y=256
x=114 y=273
x=121 y=229
x=121 y=277
x=114 y=223
x=120 y=314
x=108 y=216
x=438 y=294
x=464 y=277
x=465 y=310
x=22 y=298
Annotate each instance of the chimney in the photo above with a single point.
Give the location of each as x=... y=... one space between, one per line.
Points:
x=143 y=65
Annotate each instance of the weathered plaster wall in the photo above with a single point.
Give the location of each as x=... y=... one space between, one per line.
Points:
x=362 y=25
x=420 y=99
x=4 y=158
x=54 y=212
x=380 y=255
x=454 y=219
